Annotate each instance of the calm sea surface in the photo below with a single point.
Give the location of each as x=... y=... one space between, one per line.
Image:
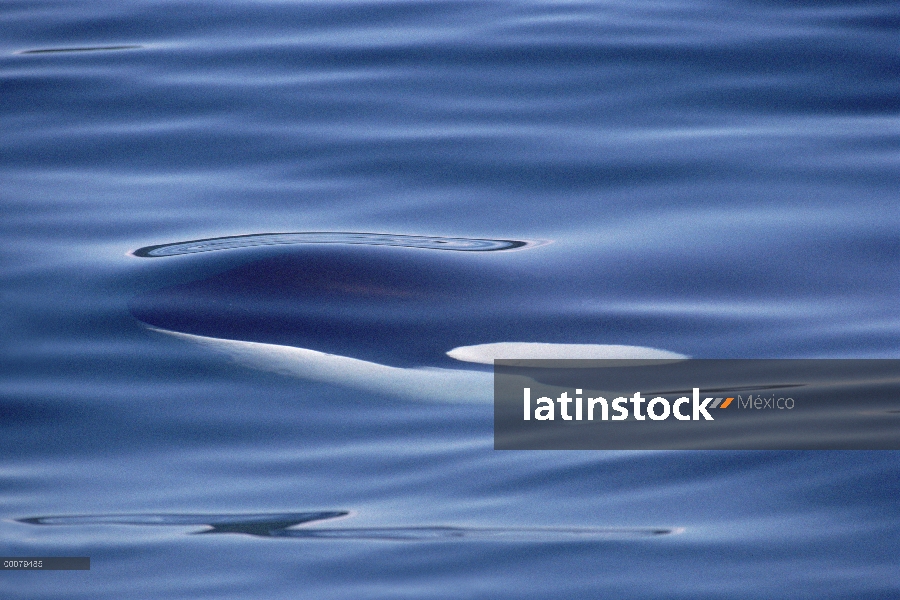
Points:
x=714 y=179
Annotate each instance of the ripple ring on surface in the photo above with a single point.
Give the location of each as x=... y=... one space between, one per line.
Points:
x=327 y=237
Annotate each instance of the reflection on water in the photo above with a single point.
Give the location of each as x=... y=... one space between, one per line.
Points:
x=512 y=534
x=279 y=525
x=252 y=524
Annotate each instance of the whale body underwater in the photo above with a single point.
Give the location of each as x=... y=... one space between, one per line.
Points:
x=417 y=317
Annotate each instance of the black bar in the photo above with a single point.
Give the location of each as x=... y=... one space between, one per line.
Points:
x=45 y=563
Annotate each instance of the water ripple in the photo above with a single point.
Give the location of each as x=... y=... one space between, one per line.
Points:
x=80 y=49
x=519 y=534
x=327 y=237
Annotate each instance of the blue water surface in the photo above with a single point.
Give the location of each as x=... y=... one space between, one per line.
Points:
x=716 y=179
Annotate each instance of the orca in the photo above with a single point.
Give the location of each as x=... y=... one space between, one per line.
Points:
x=380 y=313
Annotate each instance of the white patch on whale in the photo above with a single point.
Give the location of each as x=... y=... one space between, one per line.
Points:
x=486 y=353
x=423 y=383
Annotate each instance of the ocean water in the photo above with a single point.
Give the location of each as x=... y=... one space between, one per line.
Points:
x=703 y=178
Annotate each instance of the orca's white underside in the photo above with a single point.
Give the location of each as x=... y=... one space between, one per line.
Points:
x=423 y=383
